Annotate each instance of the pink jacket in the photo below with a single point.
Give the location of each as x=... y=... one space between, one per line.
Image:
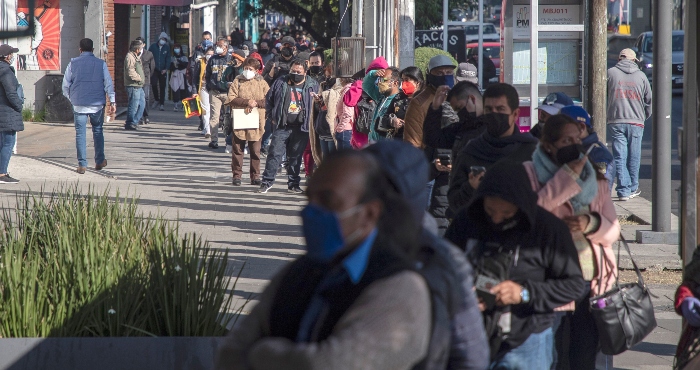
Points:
x=345 y=115
x=554 y=197
x=353 y=95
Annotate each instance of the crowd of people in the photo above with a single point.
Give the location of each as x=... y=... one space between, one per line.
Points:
x=438 y=235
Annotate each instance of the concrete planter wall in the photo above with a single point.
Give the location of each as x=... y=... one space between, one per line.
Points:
x=173 y=353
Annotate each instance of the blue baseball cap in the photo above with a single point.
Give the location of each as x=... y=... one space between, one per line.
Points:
x=577 y=113
x=554 y=102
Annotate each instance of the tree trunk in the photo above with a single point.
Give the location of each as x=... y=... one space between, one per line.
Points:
x=598 y=52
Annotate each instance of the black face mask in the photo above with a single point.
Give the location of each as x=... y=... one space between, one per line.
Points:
x=286 y=52
x=314 y=70
x=496 y=123
x=465 y=115
x=504 y=225
x=569 y=153
x=296 y=78
x=264 y=51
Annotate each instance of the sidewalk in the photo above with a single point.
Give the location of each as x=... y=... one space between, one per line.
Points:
x=169 y=167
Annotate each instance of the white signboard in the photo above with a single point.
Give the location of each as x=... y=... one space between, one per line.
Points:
x=557 y=63
x=549 y=15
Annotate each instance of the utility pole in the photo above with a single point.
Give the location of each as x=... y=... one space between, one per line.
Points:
x=598 y=64
x=345 y=27
x=661 y=118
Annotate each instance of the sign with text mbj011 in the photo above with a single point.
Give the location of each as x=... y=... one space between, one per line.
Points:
x=456 y=42
x=548 y=15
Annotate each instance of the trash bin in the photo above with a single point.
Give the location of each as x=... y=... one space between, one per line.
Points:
x=58 y=107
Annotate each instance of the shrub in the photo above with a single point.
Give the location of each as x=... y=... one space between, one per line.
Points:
x=424 y=54
x=76 y=265
x=27 y=115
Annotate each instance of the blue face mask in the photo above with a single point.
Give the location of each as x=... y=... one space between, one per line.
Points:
x=324 y=237
x=438 y=81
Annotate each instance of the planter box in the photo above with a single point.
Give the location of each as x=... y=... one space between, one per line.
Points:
x=133 y=353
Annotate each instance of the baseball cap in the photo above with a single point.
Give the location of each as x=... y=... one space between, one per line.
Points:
x=554 y=102
x=288 y=40
x=466 y=72
x=577 y=113
x=628 y=54
x=6 y=50
x=440 y=61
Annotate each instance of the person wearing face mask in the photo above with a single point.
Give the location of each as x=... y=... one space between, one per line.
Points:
x=440 y=73
x=149 y=66
x=134 y=80
x=316 y=71
x=178 y=83
x=550 y=106
x=289 y=104
x=279 y=65
x=525 y=266
x=276 y=35
x=11 y=104
x=217 y=86
x=264 y=51
x=354 y=300
x=201 y=86
x=569 y=186
x=501 y=140
x=248 y=92
x=161 y=55
x=390 y=124
x=195 y=72
x=382 y=85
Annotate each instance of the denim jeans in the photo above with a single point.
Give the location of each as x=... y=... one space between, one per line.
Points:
x=7 y=143
x=267 y=134
x=327 y=147
x=137 y=101
x=535 y=353
x=292 y=141
x=343 y=138
x=96 y=120
x=627 y=152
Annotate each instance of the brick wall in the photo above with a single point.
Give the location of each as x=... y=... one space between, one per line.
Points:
x=121 y=48
x=156 y=16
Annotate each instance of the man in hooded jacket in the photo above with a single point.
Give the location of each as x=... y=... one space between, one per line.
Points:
x=502 y=139
x=525 y=262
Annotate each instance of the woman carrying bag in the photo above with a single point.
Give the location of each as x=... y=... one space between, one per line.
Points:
x=248 y=92
x=570 y=187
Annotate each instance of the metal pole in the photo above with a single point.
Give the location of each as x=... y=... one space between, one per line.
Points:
x=445 y=7
x=661 y=119
x=534 y=46
x=481 y=44
x=360 y=15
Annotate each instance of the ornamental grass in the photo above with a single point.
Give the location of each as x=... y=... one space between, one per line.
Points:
x=76 y=264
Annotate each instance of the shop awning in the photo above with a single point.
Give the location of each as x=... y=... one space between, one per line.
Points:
x=155 y=2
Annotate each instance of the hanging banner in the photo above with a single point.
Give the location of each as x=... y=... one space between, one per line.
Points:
x=41 y=51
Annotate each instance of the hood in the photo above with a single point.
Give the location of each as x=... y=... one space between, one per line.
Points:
x=627 y=66
x=510 y=182
x=379 y=63
x=259 y=58
x=406 y=168
x=165 y=36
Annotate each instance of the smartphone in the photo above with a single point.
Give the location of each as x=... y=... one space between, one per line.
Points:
x=445 y=159
x=483 y=287
x=477 y=170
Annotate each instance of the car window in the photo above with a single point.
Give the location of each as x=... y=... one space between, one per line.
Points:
x=474 y=30
x=492 y=52
x=676 y=44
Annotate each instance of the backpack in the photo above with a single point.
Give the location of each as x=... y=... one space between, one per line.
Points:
x=365 y=112
x=323 y=129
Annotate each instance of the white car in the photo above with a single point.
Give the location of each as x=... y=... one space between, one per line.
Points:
x=471 y=29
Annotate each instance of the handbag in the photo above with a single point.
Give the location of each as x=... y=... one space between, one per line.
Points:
x=624 y=315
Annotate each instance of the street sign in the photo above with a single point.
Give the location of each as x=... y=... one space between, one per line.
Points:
x=456 y=42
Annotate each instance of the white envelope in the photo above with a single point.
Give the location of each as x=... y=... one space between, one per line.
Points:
x=242 y=121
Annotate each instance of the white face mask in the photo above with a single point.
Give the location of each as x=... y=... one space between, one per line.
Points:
x=246 y=52
x=248 y=74
x=161 y=42
x=219 y=50
x=176 y=51
x=207 y=56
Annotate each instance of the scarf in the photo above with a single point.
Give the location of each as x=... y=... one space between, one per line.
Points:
x=546 y=169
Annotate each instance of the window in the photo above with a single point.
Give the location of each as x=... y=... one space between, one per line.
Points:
x=676 y=44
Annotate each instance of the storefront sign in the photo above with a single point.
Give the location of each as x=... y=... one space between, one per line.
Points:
x=548 y=15
x=456 y=42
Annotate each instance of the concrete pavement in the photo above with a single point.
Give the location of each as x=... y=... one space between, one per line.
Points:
x=169 y=167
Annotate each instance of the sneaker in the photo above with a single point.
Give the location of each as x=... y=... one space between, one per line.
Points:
x=263 y=188
x=295 y=190
x=175 y=108
x=623 y=199
x=263 y=154
x=146 y=121
x=81 y=170
x=635 y=193
x=6 y=179
x=100 y=166
x=131 y=127
x=245 y=151
x=214 y=145
x=161 y=107
x=256 y=182
x=229 y=148
x=207 y=136
x=236 y=182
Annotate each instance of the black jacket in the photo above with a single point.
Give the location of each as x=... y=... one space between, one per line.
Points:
x=454 y=136
x=277 y=98
x=281 y=66
x=10 y=102
x=485 y=151
x=546 y=261
x=214 y=75
x=398 y=107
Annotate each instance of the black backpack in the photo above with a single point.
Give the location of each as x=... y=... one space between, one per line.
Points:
x=323 y=130
x=365 y=111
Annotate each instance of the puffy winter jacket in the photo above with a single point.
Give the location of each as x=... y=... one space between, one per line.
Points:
x=10 y=102
x=276 y=97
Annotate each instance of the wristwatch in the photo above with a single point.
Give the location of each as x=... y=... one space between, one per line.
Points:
x=525 y=295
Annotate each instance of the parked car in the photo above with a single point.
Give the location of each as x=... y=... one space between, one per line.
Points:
x=472 y=32
x=495 y=16
x=644 y=47
x=459 y=15
x=493 y=51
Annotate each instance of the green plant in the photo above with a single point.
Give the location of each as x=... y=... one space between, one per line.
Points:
x=75 y=265
x=40 y=115
x=27 y=114
x=423 y=55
